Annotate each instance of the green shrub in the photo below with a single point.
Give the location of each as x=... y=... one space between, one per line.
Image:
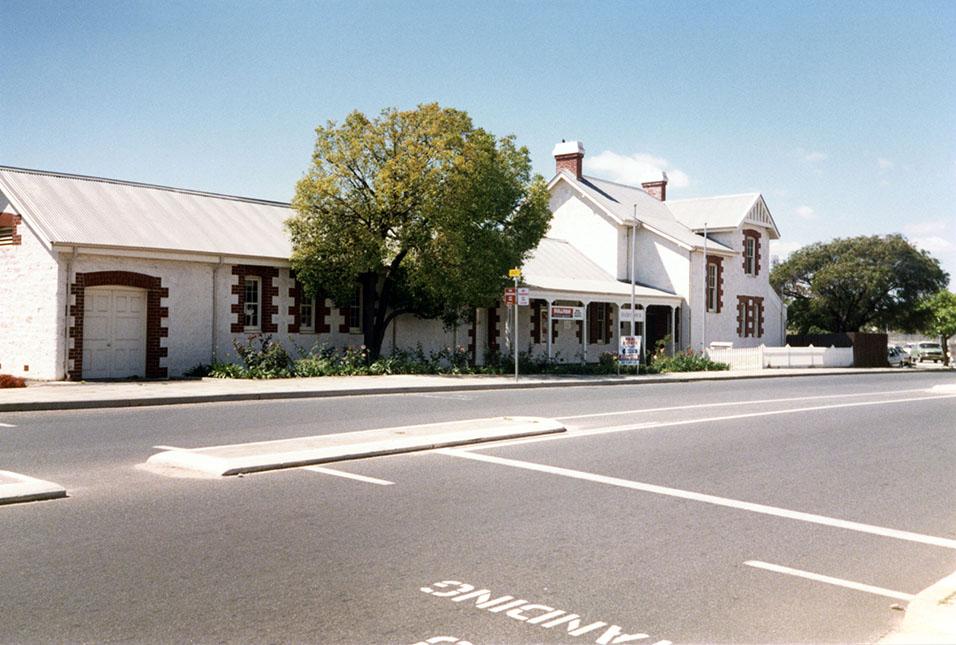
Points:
x=199 y=370
x=686 y=361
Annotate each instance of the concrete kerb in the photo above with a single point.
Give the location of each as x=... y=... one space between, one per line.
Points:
x=453 y=386
x=16 y=488
x=278 y=454
x=930 y=616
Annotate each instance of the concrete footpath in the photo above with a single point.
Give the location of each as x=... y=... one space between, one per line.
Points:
x=62 y=395
x=930 y=616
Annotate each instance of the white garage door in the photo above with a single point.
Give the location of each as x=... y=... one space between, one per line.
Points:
x=114 y=333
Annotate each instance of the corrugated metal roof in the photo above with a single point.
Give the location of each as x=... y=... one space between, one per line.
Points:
x=620 y=199
x=75 y=209
x=555 y=265
x=727 y=211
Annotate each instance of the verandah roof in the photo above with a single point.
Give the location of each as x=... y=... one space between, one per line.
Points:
x=558 y=270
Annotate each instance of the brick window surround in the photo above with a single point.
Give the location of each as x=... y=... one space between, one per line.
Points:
x=750 y=317
x=9 y=220
x=472 y=333
x=597 y=335
x=269 y=292
x=755 y=235
x=155 y=313
x=493 y=320
x=719 y=263
x=321 y=309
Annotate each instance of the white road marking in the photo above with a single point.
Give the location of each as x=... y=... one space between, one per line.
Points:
x=339 y=473
x=734 y=404
x=587 y=432
x=708 y=499
x=7 y=425
x=839 y=582
x=171 y=448
x=450 y=396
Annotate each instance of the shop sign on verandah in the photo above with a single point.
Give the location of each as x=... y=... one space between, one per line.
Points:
x=560 y=312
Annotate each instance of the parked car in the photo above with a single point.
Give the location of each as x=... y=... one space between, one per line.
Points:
x=926 y=352
x=896 y=357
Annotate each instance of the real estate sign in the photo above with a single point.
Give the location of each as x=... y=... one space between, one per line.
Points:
x=626 y=315
x=630 y=354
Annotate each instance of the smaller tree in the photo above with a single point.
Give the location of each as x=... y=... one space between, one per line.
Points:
x=857 y=283
x=940 y=310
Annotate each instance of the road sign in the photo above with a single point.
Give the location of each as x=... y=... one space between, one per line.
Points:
x=524 y=298
x=560 y=312
x=630 y=354
x=514 y=273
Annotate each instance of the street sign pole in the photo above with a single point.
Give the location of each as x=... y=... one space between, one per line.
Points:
x=516 y=274
x=515 y=344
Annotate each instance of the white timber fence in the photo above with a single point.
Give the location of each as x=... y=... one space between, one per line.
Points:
x=757 y=358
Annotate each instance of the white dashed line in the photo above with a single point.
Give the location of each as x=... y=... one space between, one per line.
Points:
x=169 y=448
x=339 y=473
x=839 y=582
x=709 y=499
x=7 y=425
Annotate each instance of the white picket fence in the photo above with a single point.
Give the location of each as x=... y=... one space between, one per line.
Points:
x=756 y=358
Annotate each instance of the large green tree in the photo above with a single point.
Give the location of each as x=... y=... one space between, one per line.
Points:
x=421 y=208
x=940 y=310
x=857 y=283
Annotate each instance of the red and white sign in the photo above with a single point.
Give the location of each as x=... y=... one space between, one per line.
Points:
x=559 y=312
x=509 y=295
x=523 y=296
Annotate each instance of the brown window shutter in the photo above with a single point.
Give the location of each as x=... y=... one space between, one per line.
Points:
x=536 y=322
x=592 y=323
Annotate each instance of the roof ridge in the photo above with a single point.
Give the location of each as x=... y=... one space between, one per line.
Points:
x=617 y=183
x=139 y=184
x=695 y=199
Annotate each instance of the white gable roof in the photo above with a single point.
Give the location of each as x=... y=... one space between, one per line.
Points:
x=728 y=211
x=555 y=265
x=74 y=209
x=618 y=202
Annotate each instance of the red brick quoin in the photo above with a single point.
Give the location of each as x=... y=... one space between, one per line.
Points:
x=9 y=220
x=269 y=291
x=155 y=313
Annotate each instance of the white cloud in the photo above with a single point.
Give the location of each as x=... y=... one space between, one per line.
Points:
x=811 y=156
x=805 y=212
x=634 y=169
x=935 y=244
x=925 y=228
x=783 y=249
x=884 y=163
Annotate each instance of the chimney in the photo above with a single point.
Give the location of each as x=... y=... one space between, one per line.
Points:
x=657 y=189
x=569 y=155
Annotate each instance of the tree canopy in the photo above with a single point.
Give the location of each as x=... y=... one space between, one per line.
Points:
x=940 y=309
x=420 y=207
x=857 y=283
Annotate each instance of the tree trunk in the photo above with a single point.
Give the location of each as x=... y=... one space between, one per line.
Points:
x=373 y=329
x=945 y=345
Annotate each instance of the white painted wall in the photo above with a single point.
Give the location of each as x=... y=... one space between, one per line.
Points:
x=590 y=231
x=723 y=326
x=189 y=303
x=31 y=301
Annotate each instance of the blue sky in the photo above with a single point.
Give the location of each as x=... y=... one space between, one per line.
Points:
x=842 y=114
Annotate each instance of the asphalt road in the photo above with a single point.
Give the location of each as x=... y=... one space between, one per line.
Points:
x=665 y=511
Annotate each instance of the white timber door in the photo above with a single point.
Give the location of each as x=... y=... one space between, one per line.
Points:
x=114 y=333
